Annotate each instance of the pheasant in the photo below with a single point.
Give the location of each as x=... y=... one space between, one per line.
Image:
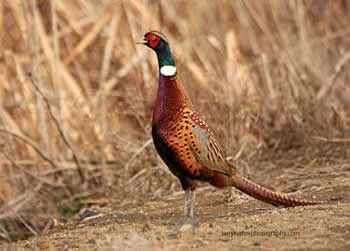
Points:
x=188 y=146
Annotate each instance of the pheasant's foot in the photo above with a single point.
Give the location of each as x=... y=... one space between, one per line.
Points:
x=189 y=227
x=186 y=228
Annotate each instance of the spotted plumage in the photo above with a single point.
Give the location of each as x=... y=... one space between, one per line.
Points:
x=192 y=144
x=185 y=142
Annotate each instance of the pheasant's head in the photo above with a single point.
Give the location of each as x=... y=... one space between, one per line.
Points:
x=155 y=40
x=158 y=42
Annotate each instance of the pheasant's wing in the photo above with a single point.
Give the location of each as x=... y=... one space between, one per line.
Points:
x=193 y=148
x=205 y=149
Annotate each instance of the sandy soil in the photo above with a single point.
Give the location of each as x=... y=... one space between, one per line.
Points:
x=319 y=171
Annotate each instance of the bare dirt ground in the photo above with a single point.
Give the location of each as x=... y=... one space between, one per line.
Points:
x=318 y=170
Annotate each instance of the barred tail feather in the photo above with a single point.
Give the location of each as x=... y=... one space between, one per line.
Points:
x=266 y=195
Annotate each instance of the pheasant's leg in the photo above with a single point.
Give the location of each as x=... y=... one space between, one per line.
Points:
x=186 y=206
x=189 y=206
x=193 y=202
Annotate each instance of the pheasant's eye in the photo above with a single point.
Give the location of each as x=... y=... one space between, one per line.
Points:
x=153 y=38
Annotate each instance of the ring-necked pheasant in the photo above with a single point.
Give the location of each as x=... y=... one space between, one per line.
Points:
x=187 y=145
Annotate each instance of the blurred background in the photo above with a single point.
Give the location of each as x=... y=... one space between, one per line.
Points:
x=77 y=93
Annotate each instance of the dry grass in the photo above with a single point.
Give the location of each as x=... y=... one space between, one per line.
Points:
x=77 y=93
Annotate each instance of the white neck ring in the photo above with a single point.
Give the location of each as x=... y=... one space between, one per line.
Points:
x=168 y=70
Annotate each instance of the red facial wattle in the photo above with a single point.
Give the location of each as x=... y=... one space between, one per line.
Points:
x=152 y=40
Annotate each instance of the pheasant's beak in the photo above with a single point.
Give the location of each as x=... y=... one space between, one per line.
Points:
x=144 y=42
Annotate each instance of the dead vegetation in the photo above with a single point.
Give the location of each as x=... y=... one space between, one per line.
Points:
x=77 y=92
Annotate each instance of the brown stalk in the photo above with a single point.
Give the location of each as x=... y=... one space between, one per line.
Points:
x=31 y=143
x=57 y=124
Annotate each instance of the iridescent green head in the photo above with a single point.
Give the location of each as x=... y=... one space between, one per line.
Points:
x=158 y=42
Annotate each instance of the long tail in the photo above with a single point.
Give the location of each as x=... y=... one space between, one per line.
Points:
x=266 y=195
